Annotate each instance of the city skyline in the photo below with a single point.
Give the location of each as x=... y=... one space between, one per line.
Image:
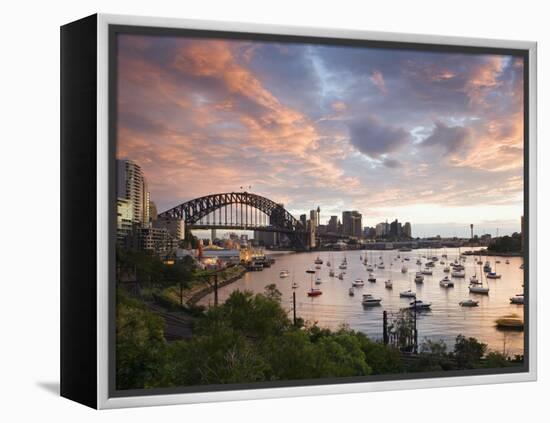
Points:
x=391 y=134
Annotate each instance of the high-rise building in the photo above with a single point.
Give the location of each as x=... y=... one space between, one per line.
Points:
x=407 y=230
x=312 y=228
x=124 y=221
x=132 y=186
x=382 y=229
x=332 y=226
x=395 y=229
x=303 y=220
x=352 y=223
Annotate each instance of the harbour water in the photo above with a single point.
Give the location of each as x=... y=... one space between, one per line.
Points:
x=444 y=321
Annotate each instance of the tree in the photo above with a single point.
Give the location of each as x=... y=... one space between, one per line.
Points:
x=468 y=352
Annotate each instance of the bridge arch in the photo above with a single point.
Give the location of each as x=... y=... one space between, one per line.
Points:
x=280 y=220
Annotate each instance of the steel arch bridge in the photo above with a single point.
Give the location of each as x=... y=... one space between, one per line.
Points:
x=240 y=211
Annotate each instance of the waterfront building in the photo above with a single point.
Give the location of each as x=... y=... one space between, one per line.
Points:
x=352 y=224
x=382 y=229
x=155 y=240
x=174 y=226
x=132 y=186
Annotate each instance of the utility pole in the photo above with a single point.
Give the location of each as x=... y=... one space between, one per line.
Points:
x=294 y=306
x=385 y=327
x=215 y=290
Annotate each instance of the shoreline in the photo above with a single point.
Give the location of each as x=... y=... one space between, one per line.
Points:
x=205 y=290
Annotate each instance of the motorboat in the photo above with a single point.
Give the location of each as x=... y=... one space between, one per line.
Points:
x=430 y=264
x=493 y=275
x=517 y=299
x=419 y=277
x=318 y=281
x=371 y=278
x=427 y=271
x=487 y=267
x=406 y=259
x=446 y=282
x=407 y=294
x=314 y=292
x=441 y=262
x=284 y=274
x=318 y=260
x=469 y=303
x=358 y=282
x=343 y=266
x=419 y=305
x=479 y=289
x=351 y=292
x=388 y=284
x=458 y=274
x=370 y=300
x=458 y=267
x=474 y=280
x=404 y=269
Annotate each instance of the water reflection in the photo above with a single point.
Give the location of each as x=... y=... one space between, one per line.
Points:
x=445 y=320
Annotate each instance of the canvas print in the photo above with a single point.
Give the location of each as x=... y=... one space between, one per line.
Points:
x=297 y=212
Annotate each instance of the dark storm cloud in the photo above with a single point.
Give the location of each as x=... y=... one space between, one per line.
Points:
x=373 y=138
x=450 y=138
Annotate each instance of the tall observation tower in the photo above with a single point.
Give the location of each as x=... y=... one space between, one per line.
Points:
x=318 y=215
x=471 y=231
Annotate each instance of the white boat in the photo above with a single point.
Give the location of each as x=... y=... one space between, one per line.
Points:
x=469 y=303
x=419 y=277
x=388 y=284
x=430 y=264
x=419 y=305
x=419 y=262
x=318 y=281
x=358 y=282
x=318 y=260
x=351 y=292
x=493 y=275
x=446 y=282
x=404 y=269
x=458 y=274
x=477 y=289
x=370 y=300
x=407 y=294
x=458 y=267
x=343 y=266
x=407 y=259
x=427 y=271
x=474 y=280
x=371 y=278
x=284 y=274
x=517 y=299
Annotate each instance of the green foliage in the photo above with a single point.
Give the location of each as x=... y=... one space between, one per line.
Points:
x=468 y=352
x=140 y=344
x=506 y=244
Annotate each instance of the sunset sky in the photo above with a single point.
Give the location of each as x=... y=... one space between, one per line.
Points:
x=431 y=138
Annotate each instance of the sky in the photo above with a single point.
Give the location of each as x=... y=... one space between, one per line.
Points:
x=432 y=138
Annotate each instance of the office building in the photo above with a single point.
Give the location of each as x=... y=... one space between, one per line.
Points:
x=407 y=230
x=332 y=226
x=352 y=224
